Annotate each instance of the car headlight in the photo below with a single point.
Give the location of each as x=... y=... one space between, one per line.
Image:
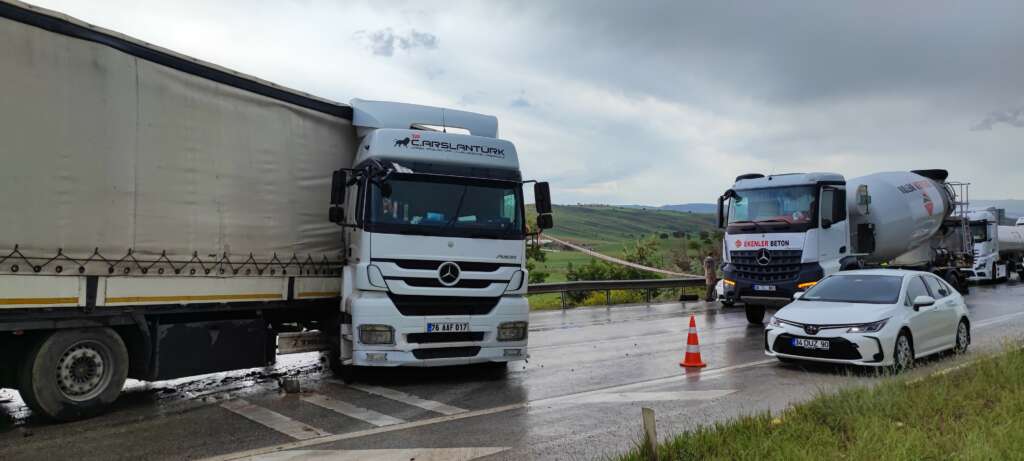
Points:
x=775 y=322
x=868 y=327
x=376 y=334
x=512 y=331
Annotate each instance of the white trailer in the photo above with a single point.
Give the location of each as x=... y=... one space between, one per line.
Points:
x=167 y=217
x=785 y=232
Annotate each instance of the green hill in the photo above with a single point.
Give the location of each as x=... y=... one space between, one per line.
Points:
x=602 y=224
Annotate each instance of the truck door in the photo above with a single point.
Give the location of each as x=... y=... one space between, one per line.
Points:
x=834 y=234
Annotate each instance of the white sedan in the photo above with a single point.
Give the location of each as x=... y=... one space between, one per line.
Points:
x=879 y=317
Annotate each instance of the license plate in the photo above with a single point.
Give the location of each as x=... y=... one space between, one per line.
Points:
x=821 y=344
x=447 y=327
x=764 y=287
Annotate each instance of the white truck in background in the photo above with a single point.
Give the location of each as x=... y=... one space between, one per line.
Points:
x=785 y=232
x=998 y=249
x=166 y=217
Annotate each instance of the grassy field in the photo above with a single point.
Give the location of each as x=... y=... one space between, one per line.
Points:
x=973 y=413
x=608 y=229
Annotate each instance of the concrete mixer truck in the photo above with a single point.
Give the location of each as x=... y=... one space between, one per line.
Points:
x=998 y=250
x=785 y=232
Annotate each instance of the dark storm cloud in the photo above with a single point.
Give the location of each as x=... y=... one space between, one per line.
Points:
x=382 y=42
x=1012 y=117
x=791 y=52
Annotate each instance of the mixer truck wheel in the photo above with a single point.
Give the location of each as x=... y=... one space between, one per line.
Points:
x=953 y=278
x=74 y=374
x=755 y=314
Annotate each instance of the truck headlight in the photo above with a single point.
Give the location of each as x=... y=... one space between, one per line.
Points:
x=868 y=327
x=512 y=331
x=376 y=334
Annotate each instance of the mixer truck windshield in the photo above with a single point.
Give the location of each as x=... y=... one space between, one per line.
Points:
x=446 y=206
x=775 y=206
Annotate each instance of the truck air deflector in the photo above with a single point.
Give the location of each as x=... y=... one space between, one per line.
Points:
x=383 y=114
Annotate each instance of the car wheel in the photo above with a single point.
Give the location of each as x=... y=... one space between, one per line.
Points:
x=755 y=314
x=903 y=353
x=963 y=337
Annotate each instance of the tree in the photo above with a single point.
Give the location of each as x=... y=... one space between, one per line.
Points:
x=534 y=255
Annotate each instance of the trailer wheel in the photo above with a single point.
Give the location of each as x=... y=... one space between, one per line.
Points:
x=74 y=374
x=755 y=314
x=953 y=278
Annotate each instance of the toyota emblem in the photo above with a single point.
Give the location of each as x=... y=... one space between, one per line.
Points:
x=449 y=273
x=764 y=257
x=811 y=329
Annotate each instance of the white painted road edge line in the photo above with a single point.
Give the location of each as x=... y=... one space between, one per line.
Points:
x=436 y=407
x=995 y=320
x=364 y=433
x=352 y=411
x=386 y=454
x=274 y=420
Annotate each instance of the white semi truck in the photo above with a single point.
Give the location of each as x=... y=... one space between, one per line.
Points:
x=785 y=232
x=165 y=217
x=998 y=249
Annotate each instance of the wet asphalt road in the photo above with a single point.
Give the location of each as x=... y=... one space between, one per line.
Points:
x=578 y=396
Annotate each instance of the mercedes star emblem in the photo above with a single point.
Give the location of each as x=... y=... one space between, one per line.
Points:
x=449 y=273
x=764 y=257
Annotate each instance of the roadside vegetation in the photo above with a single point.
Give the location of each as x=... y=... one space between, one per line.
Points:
x=970 y=413
x=665 y=239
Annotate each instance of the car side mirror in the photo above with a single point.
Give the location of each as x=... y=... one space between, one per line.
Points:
x=923 y=301
x=826 y=223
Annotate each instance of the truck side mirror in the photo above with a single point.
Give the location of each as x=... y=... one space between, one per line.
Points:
x=721 y=212
x=337 y=215
x=826 y=223
x=339 y=180
x=545 y=221
x=542 y=198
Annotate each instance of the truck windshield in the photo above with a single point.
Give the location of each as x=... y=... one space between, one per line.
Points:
x=786 y=205
x=868 y=289
x=979 y=231
x=446 y=206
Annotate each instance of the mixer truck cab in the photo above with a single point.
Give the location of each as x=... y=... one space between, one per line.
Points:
x=785 y=232
x=435 y=224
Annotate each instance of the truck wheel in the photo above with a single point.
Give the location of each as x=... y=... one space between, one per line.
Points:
x=755 y=314
x=74 y=374
x=956 y=281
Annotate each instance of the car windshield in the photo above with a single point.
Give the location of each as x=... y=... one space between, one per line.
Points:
x=446 y=206
x=791 y=205
x=868 y=289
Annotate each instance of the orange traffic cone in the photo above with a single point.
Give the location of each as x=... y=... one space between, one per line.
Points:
x=692 y=357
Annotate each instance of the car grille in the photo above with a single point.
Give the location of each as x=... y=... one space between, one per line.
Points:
x=415 y=305
x=784 y=265
x=427 y=338
x=446 y=352
x=838 y=348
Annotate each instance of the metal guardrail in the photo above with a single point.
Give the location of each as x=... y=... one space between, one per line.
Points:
x=608 y=285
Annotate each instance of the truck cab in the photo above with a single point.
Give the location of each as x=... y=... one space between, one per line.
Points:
x=984 y=226
x=434 y=225
x=783 y=234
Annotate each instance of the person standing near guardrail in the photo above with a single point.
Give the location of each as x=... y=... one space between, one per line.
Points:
x=710 y=277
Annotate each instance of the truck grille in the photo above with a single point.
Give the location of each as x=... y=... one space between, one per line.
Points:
x=783 y=265
x=446 y=352
x=415 y=305
x=466 y=266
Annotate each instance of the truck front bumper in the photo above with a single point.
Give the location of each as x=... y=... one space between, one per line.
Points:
x=773 y=293
x=407 y=351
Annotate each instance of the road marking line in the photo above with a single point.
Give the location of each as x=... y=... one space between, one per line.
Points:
x=407 y=399
x=387 y=454
x=352 y=411
x=367 y=432
x=995 y=320
x=622 y=397
x=274 y=420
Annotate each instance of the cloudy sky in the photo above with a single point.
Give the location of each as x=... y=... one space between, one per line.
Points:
x=650 y=102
